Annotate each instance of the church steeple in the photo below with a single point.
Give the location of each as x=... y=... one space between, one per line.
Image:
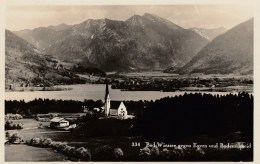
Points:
x=107 y=90
x=107 y=100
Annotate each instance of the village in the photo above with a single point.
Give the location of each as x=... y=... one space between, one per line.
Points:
x=172 y=84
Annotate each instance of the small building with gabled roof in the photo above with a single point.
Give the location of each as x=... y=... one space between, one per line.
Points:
x=59 y=122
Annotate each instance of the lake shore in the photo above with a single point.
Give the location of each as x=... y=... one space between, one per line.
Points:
x=96 y=92
x=32 y=89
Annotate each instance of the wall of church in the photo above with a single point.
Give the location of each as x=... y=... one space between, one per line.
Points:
x=122 y=110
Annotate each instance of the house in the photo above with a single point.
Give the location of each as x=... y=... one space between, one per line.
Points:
x=59 y=122
x=114 y=108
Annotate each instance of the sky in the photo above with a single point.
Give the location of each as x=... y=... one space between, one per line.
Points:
x=186 y=16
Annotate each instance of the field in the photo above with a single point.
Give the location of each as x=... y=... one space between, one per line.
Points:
x=24 y=153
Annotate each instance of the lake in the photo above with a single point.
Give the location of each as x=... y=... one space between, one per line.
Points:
x=93 y=91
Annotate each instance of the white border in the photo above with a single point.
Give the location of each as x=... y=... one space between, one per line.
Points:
x=4 y=3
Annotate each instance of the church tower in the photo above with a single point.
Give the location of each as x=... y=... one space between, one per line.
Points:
x=107 y=101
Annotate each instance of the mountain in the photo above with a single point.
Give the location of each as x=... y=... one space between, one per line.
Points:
x=42 y=37
x=231 y=52
x=146 y=42
x=60 y=27
x=25 y=65
x=209 y=34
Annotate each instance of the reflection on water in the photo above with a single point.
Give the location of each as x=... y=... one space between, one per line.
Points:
x=95 y=92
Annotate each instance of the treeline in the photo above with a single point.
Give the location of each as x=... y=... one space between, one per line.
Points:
x=198 y=114
x=44 y=106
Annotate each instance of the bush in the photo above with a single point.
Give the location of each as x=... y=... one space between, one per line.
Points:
x=107 y=153
x=200 y=152
x=61 y=147
x=41 y=142
x=19 y=126
x=177 y=154
x=57 y=145
x=145 y=153
x=83 y=154
x=67 y=150
x=165 y=154
x=13 y=116
x=35 y=141
x=9 y=125
x=154 y=154
x=72 y=152
x=16 y=138
x=196 y=154
x=118 y=153
x=47 y=142
x=52 y=145
x=155 y=151
x=7 y=135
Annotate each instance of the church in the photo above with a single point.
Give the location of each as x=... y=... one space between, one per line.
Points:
x=114 y=108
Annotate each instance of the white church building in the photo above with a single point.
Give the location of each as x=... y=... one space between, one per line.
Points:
x=115 y=108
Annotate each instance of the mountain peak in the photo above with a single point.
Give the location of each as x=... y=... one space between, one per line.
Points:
x=152 y=17
x=63 y=24
x=134 y=17
x=135 y=20
x=155 y=18
x=59 y=27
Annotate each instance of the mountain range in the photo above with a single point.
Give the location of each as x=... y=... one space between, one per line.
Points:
x=231 y=52
x=146 y=42
x=140 y=43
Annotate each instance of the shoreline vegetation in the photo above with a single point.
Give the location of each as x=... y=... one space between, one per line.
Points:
x=32 y=89
x=155 y=81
